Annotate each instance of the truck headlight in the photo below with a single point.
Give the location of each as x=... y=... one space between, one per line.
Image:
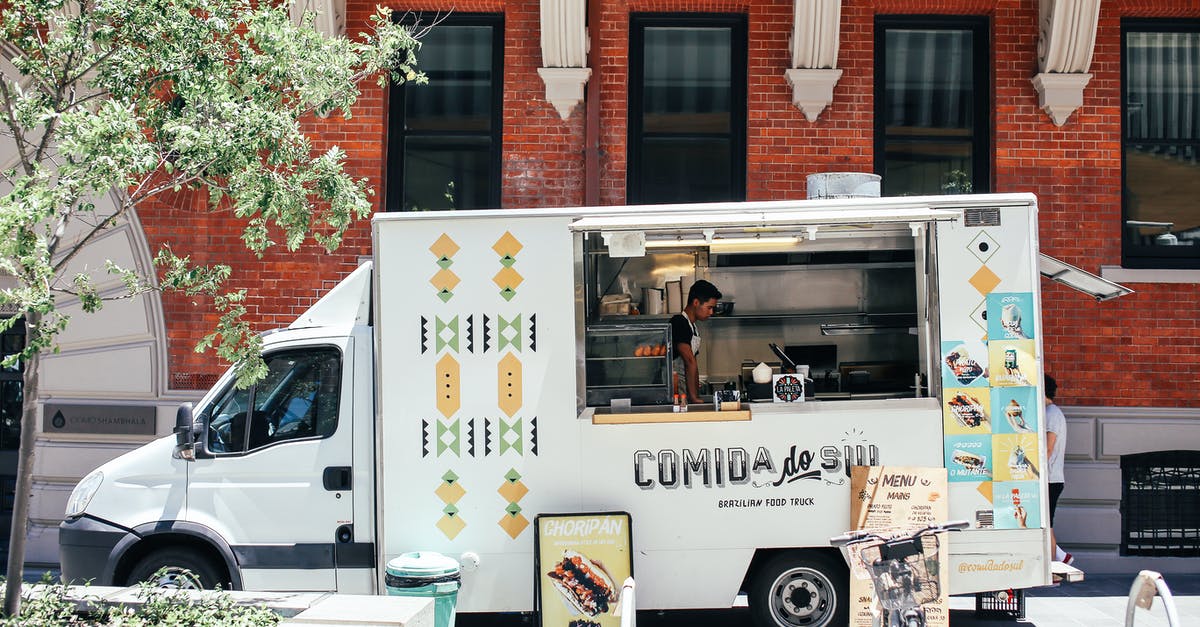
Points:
x=83 y=493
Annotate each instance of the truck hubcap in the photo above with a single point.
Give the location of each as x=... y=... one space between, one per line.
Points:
x=803 y=597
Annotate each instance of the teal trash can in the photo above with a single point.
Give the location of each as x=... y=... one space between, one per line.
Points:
x=426 y=574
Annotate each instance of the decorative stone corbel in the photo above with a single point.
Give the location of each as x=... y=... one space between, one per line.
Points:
x=816 y=29
x=1066 y=39
x=564 y=87
x=331 y=15
x=564 y=53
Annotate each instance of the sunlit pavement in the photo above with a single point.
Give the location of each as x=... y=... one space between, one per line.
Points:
x=1098 y=601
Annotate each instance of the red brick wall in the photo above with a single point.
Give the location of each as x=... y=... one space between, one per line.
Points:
x=1140 y=350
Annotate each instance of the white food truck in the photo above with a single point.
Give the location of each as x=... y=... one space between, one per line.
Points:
x=486 y=367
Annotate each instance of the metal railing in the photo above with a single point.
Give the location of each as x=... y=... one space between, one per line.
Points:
x=1145 y=587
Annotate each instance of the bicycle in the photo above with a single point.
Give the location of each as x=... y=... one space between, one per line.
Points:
x=903 y=568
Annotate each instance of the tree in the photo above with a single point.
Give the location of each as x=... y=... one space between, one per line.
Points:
x=142 y=98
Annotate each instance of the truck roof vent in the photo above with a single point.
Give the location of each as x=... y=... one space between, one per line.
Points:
x=981 y=216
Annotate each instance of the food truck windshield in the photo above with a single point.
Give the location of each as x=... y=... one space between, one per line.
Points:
x=846 y=305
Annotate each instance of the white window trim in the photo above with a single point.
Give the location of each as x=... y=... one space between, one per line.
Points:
x=1118 y=274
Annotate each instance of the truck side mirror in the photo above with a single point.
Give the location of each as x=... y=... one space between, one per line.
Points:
x=185 y=433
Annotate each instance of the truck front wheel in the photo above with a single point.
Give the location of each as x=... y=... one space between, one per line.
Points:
x=800 y=589
x=177 y=568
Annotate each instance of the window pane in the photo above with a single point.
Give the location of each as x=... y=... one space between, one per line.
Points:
x=10 y=415
x=688 y=80
x=686 y=170
x=1162 y=86
x=227 y=422
x=458 y=62
x=446 y=173
x=920 y=168
x=1161 y=185
x=929 y=82
x=1162 y=139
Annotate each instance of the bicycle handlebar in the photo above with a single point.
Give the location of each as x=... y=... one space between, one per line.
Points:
x=862 y=535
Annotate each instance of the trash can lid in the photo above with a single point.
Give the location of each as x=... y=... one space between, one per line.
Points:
x=422 y=564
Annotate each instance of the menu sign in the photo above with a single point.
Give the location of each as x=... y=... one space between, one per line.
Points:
x=890 y=499
x=581 y=562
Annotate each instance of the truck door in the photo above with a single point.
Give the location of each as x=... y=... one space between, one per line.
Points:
x=274 y=474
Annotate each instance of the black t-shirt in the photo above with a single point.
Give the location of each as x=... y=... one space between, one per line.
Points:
x=681 y=331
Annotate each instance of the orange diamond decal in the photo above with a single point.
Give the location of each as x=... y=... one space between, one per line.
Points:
x=444 y=247
x=507 y=245
x=984 y=280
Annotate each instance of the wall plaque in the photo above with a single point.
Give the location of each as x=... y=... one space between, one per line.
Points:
x=99 y=419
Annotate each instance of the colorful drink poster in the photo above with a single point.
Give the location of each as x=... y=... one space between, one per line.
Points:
x=969 y=457
x=1015 y=410
x=1015 y=457
x=1012 y=363
x=1017 y=504
x=582 y=561
x=1010 y=316
x=966 y=411
x=960 y=364
x=893 y=499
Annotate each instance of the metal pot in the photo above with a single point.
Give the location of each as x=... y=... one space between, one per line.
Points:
x=652 y=301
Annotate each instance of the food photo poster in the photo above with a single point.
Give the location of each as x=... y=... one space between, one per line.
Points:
x=581 y=562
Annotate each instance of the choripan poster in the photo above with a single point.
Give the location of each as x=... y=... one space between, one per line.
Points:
x=582 y=561
x=895 y=499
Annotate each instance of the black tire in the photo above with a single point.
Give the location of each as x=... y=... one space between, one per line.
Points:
x=180 y=568
x=800 y=589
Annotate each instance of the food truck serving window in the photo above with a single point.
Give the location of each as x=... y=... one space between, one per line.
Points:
x=843 y=297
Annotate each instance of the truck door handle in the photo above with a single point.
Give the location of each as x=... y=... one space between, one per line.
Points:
x=337 y=478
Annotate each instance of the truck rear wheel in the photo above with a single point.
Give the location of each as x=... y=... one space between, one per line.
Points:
x=800 y=589
x=179 y=568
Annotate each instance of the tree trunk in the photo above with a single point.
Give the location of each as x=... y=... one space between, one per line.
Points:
x=24 y=489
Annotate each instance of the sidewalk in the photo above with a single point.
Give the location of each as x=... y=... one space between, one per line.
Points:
x=1098 y=601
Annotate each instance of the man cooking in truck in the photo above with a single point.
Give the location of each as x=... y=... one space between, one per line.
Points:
x=701 y=300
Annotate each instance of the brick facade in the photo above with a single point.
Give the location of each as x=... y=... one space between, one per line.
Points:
x=1140 y=350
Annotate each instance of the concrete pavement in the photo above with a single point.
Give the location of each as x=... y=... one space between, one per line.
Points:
x=1097 y=601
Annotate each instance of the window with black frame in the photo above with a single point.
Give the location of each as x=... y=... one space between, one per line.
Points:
x=932 y=110
x=444 y=136
x=1161 y=143
x=687 y=108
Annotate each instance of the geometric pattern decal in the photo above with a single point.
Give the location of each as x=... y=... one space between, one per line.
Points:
x=508 y=385
x=448 y=437
x=983 y=246
x=446 y=334
x=487 y=333
x=979 y=315
x=511 y=436
x=447 y=385
x=424 y=335
x=497 y=436
x=444 y=280
x=984 y=280
x=507 y=279
x=533 y=332
x=508 y=332
x=512 y=491
x=450 y=491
